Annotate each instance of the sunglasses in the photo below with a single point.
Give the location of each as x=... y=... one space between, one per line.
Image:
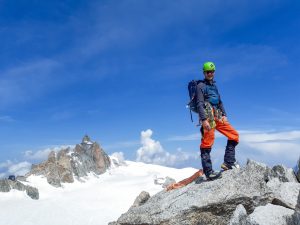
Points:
x=210 y=71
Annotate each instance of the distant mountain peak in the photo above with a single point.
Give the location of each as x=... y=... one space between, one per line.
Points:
x=68 y=164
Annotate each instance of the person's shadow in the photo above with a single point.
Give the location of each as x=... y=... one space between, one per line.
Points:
x=200 y=180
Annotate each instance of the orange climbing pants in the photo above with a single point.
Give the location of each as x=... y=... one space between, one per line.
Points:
x=224 y=127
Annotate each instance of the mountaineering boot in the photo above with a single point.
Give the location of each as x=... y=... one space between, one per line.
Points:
x=206 y=161
x=214 y=175
x=229 y=157
x=225 y=166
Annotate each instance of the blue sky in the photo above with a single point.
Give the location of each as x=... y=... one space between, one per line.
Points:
x=114 y=69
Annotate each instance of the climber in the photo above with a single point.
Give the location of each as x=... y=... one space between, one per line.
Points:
x=212 y=116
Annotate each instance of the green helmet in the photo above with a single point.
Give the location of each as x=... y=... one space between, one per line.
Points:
x=208 y=66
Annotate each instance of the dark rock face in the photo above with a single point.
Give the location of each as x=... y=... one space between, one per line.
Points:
x=241 y=196
x=32 y=192
x=67 y=164
x=297 y=170
x=55 y=169
x=7 y=185
x=282 y=173
x=90 y=158
x=4 y=186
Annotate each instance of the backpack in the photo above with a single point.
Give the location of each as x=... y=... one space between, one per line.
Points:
x=192 y=104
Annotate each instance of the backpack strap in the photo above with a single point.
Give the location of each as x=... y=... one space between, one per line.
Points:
x=203 y=88
x=191 y=115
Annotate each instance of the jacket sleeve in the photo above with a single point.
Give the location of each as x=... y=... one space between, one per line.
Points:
x=200 y=103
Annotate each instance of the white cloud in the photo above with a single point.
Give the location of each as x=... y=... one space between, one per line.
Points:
x=119 y=156
x=20 y=168
x=39 y=155
x=43 y=154
x=153 y=152
x=10 y=168
x=117 y=159
x=271 y=146
x=267 y=146
x=5 y=164
x=268 y=136
x=277 y=148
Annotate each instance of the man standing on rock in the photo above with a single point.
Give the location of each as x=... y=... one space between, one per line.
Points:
x=213 y=117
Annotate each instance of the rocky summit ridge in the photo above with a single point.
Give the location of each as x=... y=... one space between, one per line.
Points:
x=253 y=195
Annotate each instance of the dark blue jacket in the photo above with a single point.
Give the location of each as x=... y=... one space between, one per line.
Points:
x=207 y=91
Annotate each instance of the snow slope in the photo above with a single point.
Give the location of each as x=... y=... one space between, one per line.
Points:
x=96 y=201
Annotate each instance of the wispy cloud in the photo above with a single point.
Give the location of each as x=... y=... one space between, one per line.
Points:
x=284 y=144
x=190 y=137
x=11 y=168
x=5 y=164
x=19 y=168
x=236 y=60
x=44 y=153
x=6 y=119
x=121 y=145
x=279 y=115
x=26 y=81
x=62 y=115
x=267 y=137
x=130 y=23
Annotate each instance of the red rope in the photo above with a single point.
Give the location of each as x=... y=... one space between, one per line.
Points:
x=186 y=181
